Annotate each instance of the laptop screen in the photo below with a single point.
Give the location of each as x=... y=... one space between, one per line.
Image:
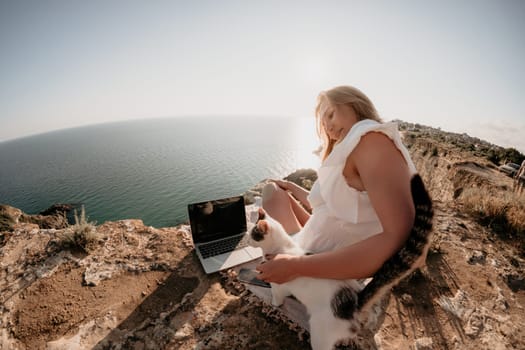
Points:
x=217 y=219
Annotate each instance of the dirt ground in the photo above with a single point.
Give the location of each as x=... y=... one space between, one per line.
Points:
x=165 y=301
x=148 y=291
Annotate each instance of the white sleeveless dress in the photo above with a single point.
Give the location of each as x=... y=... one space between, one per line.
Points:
x=342 y=215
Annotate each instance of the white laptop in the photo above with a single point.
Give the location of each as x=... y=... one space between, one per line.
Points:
x=218 y=229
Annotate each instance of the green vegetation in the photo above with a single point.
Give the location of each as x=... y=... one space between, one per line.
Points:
x=463 y=142
x=504 y=155
x=80 y=236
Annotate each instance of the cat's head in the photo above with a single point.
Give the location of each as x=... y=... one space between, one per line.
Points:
x=261 y=228
x=265 y=233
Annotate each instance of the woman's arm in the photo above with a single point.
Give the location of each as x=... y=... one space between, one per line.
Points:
x=386 y=177
x=297 y=191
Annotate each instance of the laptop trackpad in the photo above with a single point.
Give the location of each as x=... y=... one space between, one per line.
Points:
x=227 y=260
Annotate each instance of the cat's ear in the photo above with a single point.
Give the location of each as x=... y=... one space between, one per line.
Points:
x=262 y=214
x=263 y=226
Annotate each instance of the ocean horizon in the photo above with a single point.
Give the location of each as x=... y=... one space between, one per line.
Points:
x=151 y=169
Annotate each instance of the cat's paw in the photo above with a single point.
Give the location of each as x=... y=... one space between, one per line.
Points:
x=278 y=294
x=277 y=301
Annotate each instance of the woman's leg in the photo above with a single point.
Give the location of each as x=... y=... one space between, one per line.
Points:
x=300 y=212
x=281 y=206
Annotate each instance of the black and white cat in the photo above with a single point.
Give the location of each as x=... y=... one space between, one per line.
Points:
x=334 y=306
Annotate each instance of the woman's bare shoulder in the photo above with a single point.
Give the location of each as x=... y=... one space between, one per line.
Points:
x=376 y=144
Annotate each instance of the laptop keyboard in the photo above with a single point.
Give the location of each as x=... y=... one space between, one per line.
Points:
x=223 y=246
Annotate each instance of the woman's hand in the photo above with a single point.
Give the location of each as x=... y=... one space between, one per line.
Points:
x=285 y=185
x=278 y=268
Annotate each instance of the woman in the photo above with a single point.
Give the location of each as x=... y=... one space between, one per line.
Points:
x=519 y=178
x=362 y=208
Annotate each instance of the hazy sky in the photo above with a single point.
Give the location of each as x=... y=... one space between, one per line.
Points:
x=458 y=65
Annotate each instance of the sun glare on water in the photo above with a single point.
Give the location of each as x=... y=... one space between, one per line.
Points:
x=306 y=142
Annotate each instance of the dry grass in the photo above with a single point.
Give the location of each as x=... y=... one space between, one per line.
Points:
x=8 y=217
x=6 y=224
x=502 y=211
x=82 y=235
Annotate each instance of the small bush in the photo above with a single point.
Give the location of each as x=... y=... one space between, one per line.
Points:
x=8 y=217
x=82 y=235
x=503 y=212
x=493 y=157
x=6 y=224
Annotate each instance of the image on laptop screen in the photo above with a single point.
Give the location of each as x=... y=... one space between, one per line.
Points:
x=216 y=219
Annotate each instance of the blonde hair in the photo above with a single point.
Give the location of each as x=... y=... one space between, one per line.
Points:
x=347 y=95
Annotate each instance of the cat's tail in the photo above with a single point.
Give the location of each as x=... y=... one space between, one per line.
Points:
x=411 y=256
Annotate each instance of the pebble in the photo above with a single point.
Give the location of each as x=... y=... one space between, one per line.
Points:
x=424 y=343
x=407 y=300
x=183 y=332
x=501 y=301
x=477 y=257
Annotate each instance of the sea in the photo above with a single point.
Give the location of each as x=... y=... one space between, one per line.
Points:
x=151 y=169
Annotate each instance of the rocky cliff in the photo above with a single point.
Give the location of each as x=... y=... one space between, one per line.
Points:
x=140 y=287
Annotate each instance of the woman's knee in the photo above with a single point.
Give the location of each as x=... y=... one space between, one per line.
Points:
x=276 y=202
x=272 y=192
